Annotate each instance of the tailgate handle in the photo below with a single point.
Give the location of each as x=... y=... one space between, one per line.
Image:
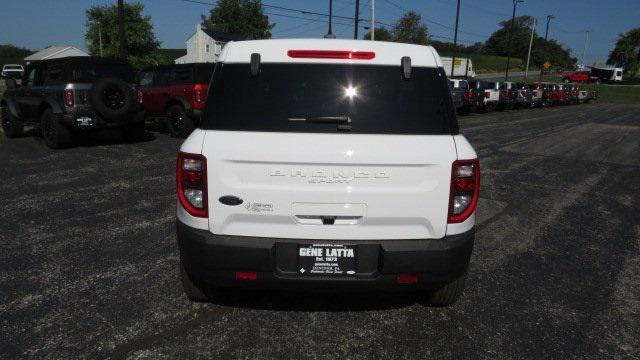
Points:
x=328 y=219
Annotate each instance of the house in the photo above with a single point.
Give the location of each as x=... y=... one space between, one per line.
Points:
x=206 y=46
x=54 y=52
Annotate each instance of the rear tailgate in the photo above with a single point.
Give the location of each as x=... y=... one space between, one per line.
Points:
x=371 y=186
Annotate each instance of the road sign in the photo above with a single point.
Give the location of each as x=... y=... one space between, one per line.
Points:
x=546 y=64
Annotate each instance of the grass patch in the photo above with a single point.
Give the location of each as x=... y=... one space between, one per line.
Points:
x=624 y=94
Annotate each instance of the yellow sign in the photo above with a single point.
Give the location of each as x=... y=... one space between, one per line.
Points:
x=546 y=65
x=457 y=62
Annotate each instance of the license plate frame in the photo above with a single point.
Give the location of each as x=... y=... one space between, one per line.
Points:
x=327 y=260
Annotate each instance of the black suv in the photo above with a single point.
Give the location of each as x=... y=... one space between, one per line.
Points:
x=71 y=94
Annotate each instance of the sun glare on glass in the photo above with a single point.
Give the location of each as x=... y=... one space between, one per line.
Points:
x=350 y=92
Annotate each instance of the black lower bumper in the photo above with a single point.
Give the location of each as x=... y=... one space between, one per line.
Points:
x=216 y=259
x=88 y=119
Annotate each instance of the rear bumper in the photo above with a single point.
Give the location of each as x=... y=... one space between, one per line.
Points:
x=89 y=119
x=215 y=259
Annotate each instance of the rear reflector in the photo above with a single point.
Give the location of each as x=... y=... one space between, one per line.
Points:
x=331 y=54
x=243 y=275
x=407 y=279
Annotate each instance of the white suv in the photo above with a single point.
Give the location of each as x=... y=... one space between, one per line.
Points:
x=327 y=164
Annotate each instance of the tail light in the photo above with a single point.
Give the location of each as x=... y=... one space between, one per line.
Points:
x=331 y=54
x=139 y=94
x=199 y=93
x=68 y=97
x=487 y=94
x=191 y=179
x=465 y=188
x=505 y=93
x=535 y=92
x=468 y=95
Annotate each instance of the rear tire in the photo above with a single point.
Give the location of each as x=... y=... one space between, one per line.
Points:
x=11 y=125
x=191 y=289
x=464 y=110
x=448 y=294
x=55 y=135
x=180 y=124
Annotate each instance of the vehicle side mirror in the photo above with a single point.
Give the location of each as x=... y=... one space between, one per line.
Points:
x=10 y=83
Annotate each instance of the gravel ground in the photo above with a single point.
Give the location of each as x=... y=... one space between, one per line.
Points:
x=89 y=261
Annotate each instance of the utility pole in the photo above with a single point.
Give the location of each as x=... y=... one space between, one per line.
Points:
x=526 y=70
x=586 y=45
x=455 y=40
x=330 y=34
x=546 y=35
x=513 y=18
x=373 y=19
x=121 y=35
x=357 y=18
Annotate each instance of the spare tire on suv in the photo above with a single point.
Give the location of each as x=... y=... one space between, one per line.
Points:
x=112 y=98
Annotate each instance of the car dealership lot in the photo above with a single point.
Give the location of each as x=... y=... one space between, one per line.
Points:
x=89 y=261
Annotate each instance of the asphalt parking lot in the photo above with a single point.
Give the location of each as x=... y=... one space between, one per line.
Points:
x=89 y=261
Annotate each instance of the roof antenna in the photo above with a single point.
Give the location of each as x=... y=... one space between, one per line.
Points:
x=255 y=64
x=405 y=63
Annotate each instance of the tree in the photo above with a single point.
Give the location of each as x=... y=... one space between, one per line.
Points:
x=409 y=29
x=626 y=54
x=381 y=34
x=141 y=41
x=543 y=50
x=11 y=54
x=244 y=17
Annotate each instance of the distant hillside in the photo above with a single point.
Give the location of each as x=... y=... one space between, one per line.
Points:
x=168 y=56
x=10 y=54
x=484 y=64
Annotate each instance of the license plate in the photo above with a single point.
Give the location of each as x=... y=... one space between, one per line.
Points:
x=327 y=260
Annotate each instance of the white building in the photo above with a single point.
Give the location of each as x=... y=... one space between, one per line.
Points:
x=206 y=46
x=54 y=52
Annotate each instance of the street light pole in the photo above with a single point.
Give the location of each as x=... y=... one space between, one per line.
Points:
x=586 y=45
x=455 y=40
x=526 y=69
x=546 y=35
x=513 y=18
x=330 y=34
x=373 y=19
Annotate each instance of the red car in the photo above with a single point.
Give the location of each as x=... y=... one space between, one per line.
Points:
x=175 y=93
x=576 y=76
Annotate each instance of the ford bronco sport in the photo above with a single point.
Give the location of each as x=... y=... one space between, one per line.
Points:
x=66 y=96
x=327 y=164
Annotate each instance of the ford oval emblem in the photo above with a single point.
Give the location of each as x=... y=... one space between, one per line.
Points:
x=230 y=200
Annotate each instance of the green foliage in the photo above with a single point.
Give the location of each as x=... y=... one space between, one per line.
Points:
x=381 y=34
x=168 y=56
x=626 y=54
x=518 y=46
x=409 y=29
x=141 y=41
x=245 y=17
x=11 y=54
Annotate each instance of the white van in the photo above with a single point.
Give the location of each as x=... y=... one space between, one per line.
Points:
x=462 y=67
x=327 y=164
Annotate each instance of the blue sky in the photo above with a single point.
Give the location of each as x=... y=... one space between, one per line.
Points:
x=37 y=23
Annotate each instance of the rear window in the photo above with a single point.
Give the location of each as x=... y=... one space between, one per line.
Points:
x=375 y=98
x=89 y=73
x=13 y=67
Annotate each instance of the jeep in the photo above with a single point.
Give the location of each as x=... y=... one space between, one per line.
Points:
x=67 y=96
x=176 y=94
x=332 y=165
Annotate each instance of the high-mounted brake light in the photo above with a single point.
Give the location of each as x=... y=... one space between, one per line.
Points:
x=331 y=54
x=68 y=97
x=191 y=181
x=465 y=188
